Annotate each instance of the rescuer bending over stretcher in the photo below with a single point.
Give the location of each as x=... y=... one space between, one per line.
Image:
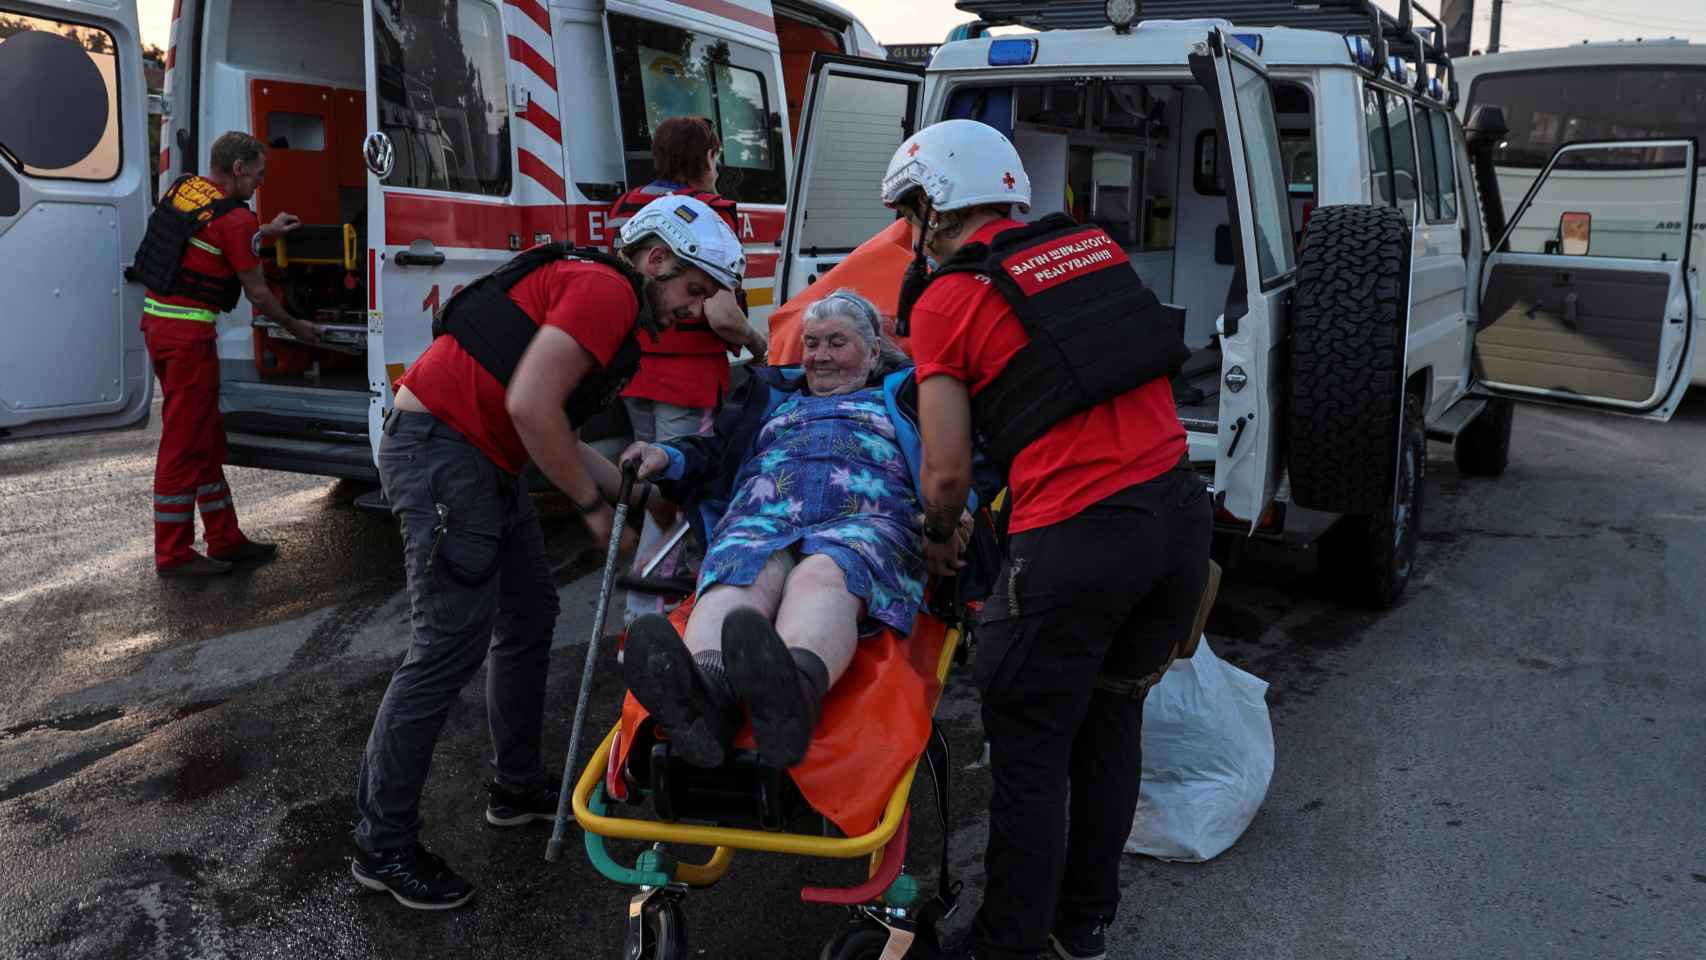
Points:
x=819 y=542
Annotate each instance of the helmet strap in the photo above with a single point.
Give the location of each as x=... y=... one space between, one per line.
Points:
x=917 y=275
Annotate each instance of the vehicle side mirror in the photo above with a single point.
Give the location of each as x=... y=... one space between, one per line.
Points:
x=1486 y=126
x=377 y=154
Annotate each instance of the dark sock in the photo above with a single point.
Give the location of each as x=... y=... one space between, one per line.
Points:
x=710 y=664
x=814 y=673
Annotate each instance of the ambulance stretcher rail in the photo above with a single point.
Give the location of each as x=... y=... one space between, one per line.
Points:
x=655 y=868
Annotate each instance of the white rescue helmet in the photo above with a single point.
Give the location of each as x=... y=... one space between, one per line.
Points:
x=694 y=232
x=958 y=164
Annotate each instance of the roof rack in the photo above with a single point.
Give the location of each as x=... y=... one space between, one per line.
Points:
x=1387 y=34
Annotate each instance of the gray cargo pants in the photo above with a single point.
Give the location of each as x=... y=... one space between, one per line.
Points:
x=481 y=591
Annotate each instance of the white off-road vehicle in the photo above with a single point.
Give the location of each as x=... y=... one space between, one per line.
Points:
x=1299 y=184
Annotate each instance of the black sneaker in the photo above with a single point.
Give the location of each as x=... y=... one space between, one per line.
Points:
x=508 y=808
x=700 y=721
x=414 y=875
x=1092 y=945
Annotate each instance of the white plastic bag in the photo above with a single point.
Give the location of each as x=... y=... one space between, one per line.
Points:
x=1208 y=755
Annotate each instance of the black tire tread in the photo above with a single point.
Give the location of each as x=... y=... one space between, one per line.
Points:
x=1347 y=358
x=1358 y=556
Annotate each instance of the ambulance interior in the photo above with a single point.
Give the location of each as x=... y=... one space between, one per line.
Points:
x=1142 y=161
x=299 y=71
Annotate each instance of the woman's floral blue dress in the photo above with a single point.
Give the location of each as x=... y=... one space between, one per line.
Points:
x=827 y=476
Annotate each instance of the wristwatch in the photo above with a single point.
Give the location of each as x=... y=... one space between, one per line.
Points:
x=937 y=534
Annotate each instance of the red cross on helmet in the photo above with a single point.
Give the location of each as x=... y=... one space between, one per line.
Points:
x=958 y=164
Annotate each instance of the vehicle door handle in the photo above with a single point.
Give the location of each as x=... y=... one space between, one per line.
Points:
x=421 y=253
x=1570 y=310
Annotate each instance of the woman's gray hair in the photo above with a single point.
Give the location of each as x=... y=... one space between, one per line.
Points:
x=847 y=303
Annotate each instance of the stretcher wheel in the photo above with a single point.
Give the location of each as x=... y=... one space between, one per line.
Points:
x=663 y=932
x=863 y=939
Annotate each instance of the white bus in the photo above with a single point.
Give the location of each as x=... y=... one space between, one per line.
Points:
x=1618 y=90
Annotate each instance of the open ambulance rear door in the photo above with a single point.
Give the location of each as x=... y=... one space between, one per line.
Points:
x=1596 y=308
x=74 y=196
x=857 y=113
x=466 y=168
x=1253 y=327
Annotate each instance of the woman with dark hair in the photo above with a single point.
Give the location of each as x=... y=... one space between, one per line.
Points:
x=685 y=372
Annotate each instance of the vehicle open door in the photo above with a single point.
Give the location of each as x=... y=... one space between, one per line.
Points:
x=857 y=113
x=1583 y=304
x=449 y=164
x=1246 y=467
x=74 y=185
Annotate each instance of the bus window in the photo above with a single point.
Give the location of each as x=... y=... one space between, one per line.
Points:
x=1546 y=109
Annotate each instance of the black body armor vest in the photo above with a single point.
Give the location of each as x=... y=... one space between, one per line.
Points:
x=1096 y=331
x=496 y=332
x=159 y=262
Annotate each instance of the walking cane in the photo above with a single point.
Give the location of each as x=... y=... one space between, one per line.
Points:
x=554 y=849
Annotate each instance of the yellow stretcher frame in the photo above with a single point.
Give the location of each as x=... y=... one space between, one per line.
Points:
x=727 y=840
x=347 y=259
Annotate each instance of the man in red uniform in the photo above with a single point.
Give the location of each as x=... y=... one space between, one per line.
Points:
x=522 y=358
x=685 y=372
x=1040 y=340
x=203 y=247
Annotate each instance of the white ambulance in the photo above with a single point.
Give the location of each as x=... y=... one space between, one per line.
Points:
x=422 y=142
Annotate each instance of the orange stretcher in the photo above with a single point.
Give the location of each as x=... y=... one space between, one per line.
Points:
x=856 y=779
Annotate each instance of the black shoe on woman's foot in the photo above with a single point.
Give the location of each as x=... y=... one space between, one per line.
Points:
x=663 y=678
x=763 y=674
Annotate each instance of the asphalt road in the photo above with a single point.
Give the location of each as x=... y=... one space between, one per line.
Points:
x=1510 y=764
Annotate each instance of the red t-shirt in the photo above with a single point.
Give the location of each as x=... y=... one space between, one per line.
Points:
x=687 y=369
x=963 y=328
x=588 y=301
x=231 y=234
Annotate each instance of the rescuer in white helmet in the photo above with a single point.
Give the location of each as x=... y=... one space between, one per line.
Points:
x=1039 y=341
x=521 y=358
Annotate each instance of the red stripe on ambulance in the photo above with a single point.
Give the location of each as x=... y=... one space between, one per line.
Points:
x=530 y=165
x=530 y=58
x=535 y=11
x=537 y=115
x=733 y=11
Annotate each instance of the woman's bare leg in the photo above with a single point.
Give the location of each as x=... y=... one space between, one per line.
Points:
x=764 y=594
x=818 y=614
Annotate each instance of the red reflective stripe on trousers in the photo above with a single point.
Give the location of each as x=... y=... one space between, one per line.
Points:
x=192 y=439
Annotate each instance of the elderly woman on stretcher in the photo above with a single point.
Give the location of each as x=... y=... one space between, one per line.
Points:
x=814 y=471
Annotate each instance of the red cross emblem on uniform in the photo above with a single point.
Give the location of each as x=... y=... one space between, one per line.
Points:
x=912 y=151
x=1007 y=178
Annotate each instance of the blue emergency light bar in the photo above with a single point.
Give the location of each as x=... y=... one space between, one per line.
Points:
x=1362 y=52
x=1012 y=51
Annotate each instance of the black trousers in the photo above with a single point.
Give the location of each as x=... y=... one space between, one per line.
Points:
x=1083 y=611
x=480 y=592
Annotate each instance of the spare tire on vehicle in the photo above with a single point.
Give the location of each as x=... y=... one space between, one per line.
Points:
x=1349 y=322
